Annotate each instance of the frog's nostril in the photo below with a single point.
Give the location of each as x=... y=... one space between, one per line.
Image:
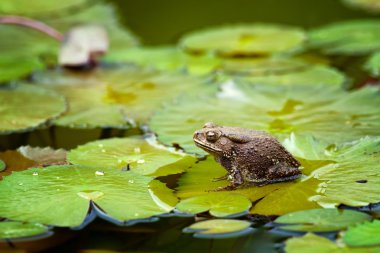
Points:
x=197 y=134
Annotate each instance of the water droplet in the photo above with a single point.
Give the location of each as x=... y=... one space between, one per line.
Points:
x=119 y=161
x=136 y=214
x=103 y=150
x=141 y=161
x=20 y=183
x=137 y=150
x=35 y=173
x=131 y=181
x=100 y=145
x=58 y=177
x=99 y=173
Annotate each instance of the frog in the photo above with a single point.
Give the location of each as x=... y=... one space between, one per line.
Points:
x=250 y=157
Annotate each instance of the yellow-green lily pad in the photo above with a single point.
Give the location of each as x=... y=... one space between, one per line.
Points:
x=363 y=235
x=167 y=59
x=219 y=228
x=244 y=40
x=312 y=243
x=219 y=204
x=135 y=154
x=353 y=37
x=324 y=112
x=321 y=220
x=24 y=107
x=15 y=229
x=61 y=195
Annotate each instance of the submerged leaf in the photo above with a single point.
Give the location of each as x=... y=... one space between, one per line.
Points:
x=135 y=154
x=219 y=228
x=24 y=107
x=220 y=204
x=321 y=220
x=324 y=112
x=243 y=40
x=363 y=235
x=354 y=37
x=44 y=156
x=14 y=229
x=61 y=195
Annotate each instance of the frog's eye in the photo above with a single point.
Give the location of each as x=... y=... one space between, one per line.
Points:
x=211 y=136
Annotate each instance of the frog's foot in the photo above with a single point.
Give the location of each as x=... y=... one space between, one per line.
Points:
x=236 y=180
x=225 y=177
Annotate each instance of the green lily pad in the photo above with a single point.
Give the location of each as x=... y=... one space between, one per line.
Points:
x=373 y=64
x=24 y=66
x=324 y=112
x=61 y=195
x=219 y=228
x=22 y=7
x=354 y=37
x=244 y=40
x=220 y=204
x=321 y=220
x=167 y=58
x=135 y=154
x=24 y=107
x=372 y=6
x=14 y=229
x=363 y=235
x=3 y=166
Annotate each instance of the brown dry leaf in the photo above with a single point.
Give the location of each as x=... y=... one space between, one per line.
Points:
x=14 y=161
x=44 y=156
x=83 y=45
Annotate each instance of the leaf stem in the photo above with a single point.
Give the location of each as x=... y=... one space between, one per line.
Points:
x=31 y=23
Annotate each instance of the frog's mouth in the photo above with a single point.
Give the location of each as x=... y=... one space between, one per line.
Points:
x=207 y=148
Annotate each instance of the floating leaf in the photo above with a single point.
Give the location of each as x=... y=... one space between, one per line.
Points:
x=167 y=58
x=363 y=234
x=368 y=5
x=23 y=7
x=321 y=220
x=135 y=154
x=243 y=40
x=25 y=107
x=219 y=228
x=324 y=112
x=315 y=244
x=14 y=229
x=354 y=37
x=44 y=156
x=220 y=204
x=14 y=161
x=24 y=66
x=60 y=195
x=3 y=166
x=373 y=64
x=282 y=71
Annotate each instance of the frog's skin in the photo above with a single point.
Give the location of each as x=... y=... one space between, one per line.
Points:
x=249 y=156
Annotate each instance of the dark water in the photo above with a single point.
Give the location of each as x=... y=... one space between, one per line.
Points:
x=164 y=21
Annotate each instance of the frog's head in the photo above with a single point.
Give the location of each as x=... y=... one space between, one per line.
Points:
x=218 y=140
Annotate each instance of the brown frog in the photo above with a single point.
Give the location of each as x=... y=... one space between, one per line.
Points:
x=249 y=156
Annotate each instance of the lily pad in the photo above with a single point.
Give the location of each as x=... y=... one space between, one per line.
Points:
x=135 y=154
x=61 y=195
x=24 y=7
x=167 y=58
x=3 y=166
x=321 y=220
x=14 y=229
x=219 y=228
x=24 y=107
x=324 y=112
x=244 y=40
x=354 y=37
x=44 y=156
x=372 y=6
x=363 y=235
x=373 y=64
x=220 y=204
x=315 y=244
x=24 y=66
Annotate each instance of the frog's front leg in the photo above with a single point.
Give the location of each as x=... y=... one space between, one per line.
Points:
x=216 y=179
x=236 y=180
